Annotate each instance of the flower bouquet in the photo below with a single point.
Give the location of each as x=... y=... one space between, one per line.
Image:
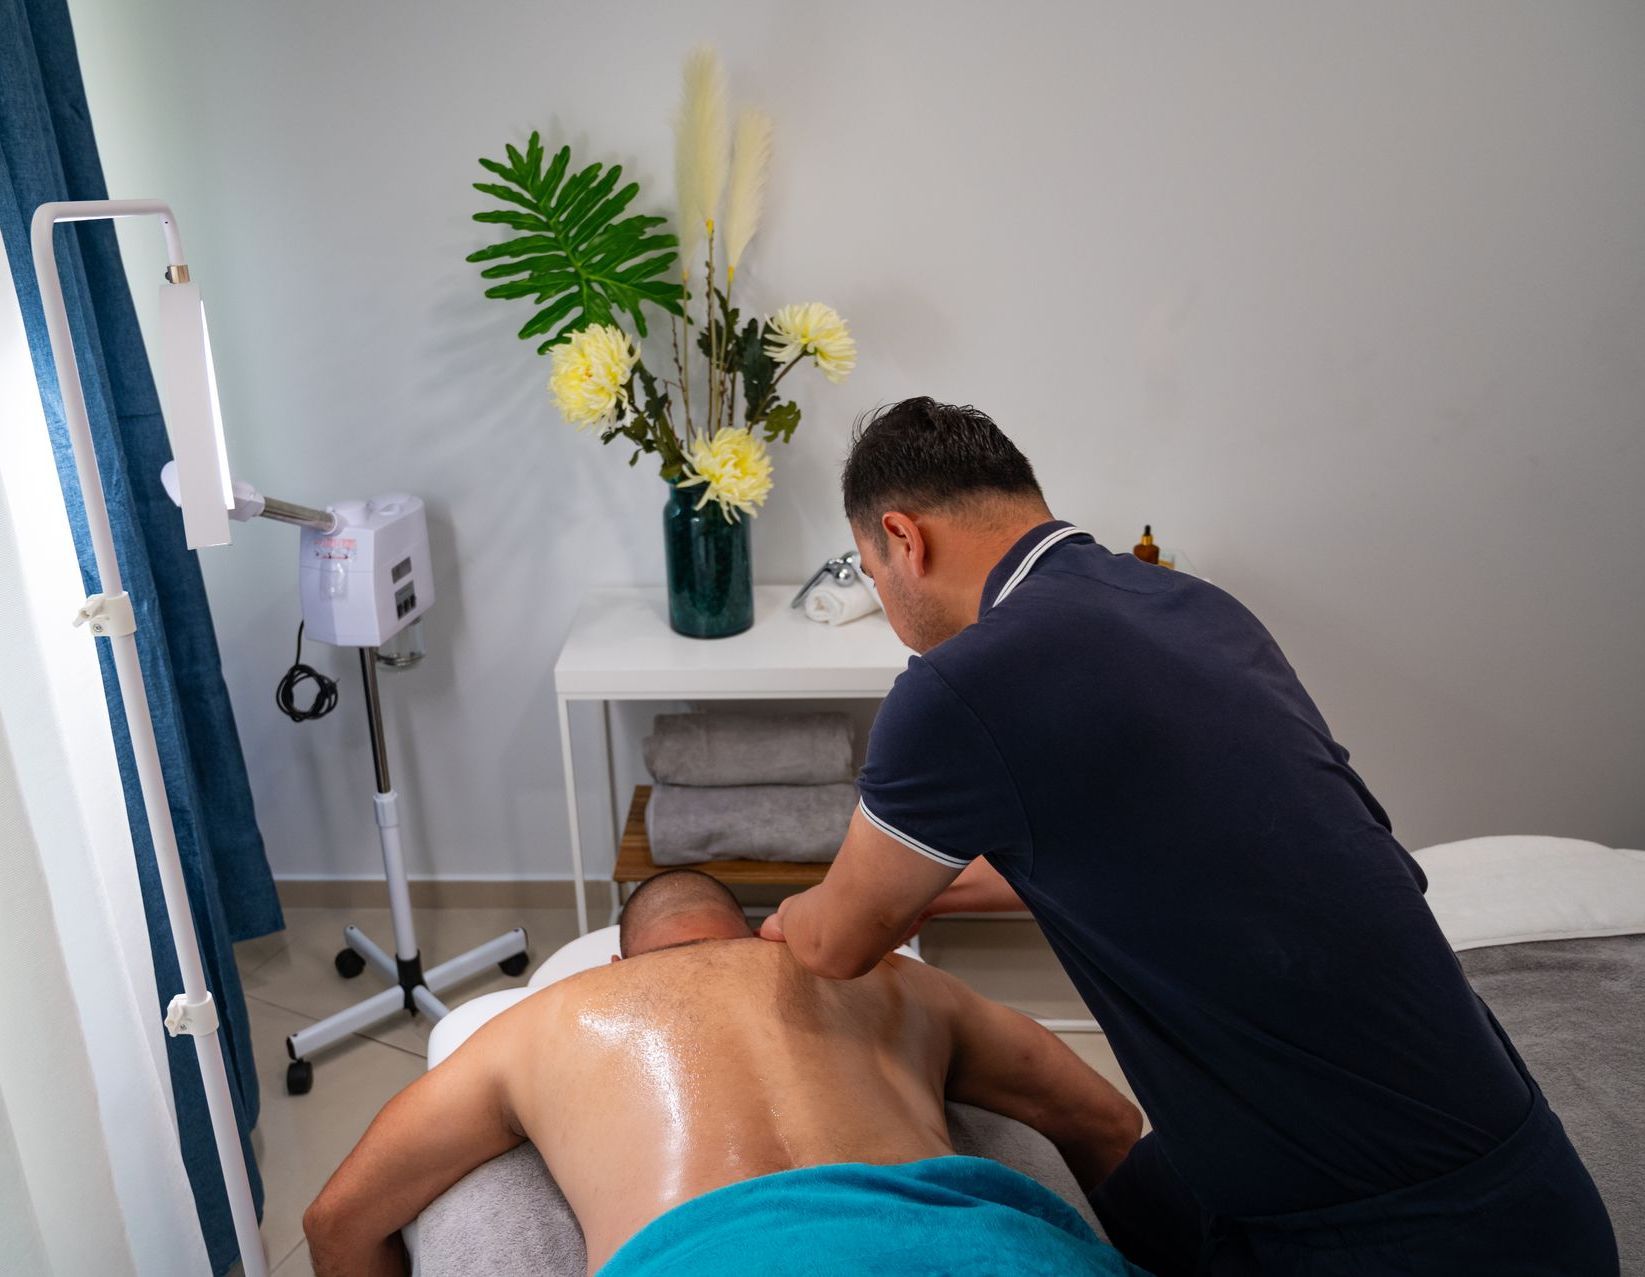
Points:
x=590 y=268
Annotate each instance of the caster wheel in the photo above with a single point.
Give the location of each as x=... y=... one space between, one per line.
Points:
x=348 y=963
x=299 y=1077
x=515 y=965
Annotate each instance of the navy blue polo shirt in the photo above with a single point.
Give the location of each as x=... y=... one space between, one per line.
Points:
x=1130 y=749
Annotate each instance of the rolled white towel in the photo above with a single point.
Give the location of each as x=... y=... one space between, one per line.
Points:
x=835 y=604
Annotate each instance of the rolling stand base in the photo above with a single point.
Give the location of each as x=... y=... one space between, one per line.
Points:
x=411 y=989
x=419 y=992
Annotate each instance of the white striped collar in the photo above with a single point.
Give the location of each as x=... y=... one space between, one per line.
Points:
x=1032 y=557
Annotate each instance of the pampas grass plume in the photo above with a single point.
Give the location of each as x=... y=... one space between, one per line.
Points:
x=750 y=157
x=701 y=143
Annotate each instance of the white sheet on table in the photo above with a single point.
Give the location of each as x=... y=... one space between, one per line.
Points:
x=1514 y=888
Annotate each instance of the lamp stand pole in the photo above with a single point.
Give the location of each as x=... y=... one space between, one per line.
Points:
x=110 y=616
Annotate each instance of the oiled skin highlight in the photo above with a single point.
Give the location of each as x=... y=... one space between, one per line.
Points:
x=660 y=1078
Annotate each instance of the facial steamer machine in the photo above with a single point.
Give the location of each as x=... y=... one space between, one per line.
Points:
x=363 y=577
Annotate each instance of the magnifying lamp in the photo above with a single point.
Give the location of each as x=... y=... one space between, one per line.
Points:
x=194 y=417
x=195 y=426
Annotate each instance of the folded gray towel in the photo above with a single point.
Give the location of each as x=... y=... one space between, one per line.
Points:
x=688 y=824
x=750 y=749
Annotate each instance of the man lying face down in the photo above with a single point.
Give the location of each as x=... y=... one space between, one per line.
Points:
x=708 y=1060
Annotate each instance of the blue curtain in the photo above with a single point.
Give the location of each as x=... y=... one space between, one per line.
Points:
x=47 y=152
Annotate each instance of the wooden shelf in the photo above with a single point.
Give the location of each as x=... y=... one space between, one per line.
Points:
x=634 y=863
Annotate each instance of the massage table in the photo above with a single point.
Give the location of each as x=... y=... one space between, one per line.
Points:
x=1551 y=932
x=508 y=1218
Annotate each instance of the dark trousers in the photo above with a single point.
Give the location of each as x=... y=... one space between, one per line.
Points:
x=1527 y=1207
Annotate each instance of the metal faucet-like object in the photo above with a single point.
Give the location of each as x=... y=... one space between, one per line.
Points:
x=842 y=568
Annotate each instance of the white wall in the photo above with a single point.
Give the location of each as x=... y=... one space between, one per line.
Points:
x=1347 y=299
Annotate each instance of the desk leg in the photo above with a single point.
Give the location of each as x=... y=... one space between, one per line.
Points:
x=616 y=813
x=571 y=813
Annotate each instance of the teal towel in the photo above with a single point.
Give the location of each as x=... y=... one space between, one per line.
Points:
x=942 y=1216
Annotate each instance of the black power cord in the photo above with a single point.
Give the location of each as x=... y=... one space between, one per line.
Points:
x=325 y=689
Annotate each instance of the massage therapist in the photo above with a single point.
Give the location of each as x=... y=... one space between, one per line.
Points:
x=1124 y=751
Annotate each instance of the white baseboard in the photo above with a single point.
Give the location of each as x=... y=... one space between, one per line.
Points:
x=313 y=892
x=306 y=892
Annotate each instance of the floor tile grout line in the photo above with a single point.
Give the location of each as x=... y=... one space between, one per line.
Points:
x=244 y=971
x=275 y=1266
x=269 y=1002
x=395 y=1046
x=311 y=1019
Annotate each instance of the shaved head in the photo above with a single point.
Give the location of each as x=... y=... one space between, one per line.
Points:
x=680 y=906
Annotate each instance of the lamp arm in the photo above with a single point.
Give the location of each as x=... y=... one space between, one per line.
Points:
x=45 y=220
x=303 y=516
x=250 y=504
x=48 y=215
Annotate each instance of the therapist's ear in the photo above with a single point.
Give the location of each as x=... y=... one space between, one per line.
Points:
x=904 y=540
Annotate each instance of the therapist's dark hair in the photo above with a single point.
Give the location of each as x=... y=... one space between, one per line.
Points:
x=921 y=455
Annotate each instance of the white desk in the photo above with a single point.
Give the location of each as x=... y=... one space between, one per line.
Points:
x=620 y=648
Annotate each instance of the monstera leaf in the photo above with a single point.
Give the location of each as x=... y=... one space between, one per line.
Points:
x=576 y=259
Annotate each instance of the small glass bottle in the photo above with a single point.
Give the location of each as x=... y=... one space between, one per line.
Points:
x=1145 y=549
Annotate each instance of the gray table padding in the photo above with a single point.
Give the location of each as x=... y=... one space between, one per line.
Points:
x=1576 y=1011
x=509 y=1219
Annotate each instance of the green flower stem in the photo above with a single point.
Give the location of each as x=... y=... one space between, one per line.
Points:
x=768 y=402
x=730 y=374
x=682 y=369
x=713 y=362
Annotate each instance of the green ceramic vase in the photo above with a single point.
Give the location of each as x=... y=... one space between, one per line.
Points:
x=710 y=582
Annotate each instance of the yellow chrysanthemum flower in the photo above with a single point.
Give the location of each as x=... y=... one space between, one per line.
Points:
x=810 y=328
x=590 y=373
x=735 y=469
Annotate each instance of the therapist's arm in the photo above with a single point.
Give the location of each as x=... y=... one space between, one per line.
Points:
x=980 y=888
x=873 y=894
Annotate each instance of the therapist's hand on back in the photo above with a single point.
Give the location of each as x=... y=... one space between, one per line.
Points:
x=979 y=889
x=772 y=927
x=828 y=928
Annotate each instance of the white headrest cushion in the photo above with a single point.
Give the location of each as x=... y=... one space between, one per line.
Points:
x=1513 y=888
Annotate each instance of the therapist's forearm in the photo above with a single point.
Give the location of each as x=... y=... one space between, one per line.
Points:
x=831 y=940
x=873 y=894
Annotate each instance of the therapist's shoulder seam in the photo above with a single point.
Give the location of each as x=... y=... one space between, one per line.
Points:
x=988 y=735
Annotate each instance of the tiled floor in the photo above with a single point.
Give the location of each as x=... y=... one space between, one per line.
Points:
x=289 y=982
